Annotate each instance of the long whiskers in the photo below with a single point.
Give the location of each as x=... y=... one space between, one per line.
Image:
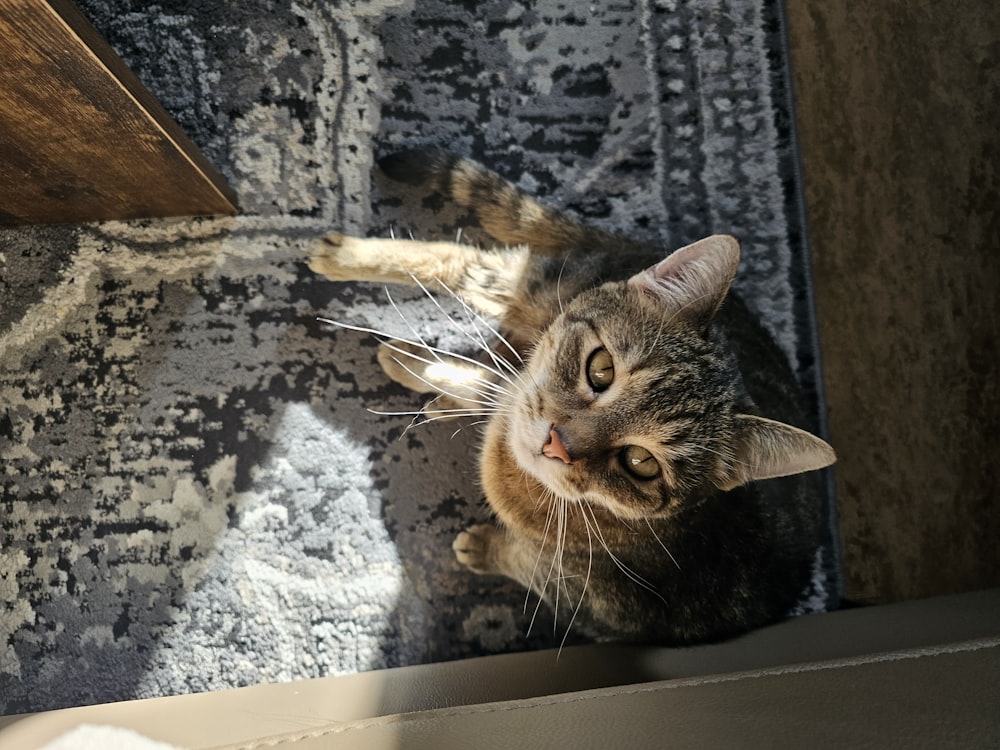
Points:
x=481 y=389
x=520 y=374
x=586 y=582
x=462 y=411
x=629 y=573
x=660 y=542
x=387 y=339
x=557 y=521
x=486 y=399
x=498 y=363
x=554 y=510
x=559 y=283
x=475 y=320
x=469 y=311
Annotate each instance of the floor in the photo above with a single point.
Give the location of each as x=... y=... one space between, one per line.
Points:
x=898 y=110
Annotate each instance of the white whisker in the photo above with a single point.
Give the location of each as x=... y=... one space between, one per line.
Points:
x=409 y=325
x=470 y=424
x=499 y=364
x=437 y=387
x=484 y=382
x=435 y=413
x=586 y=581
x=451 y=320
x=552 y=512
x=657 y=538
x=559 y=283
x=558 y=560
x=418 y=422
x=629 y=573
x=488 y=384
x=480 y=341
x=436 y=352
x=655 y=340
x=469 y=412
x=385 y=338
x=489 y=327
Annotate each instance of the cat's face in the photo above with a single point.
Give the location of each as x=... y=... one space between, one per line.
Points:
x=624 y=406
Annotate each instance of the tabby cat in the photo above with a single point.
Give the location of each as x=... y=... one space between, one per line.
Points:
x=637 y=456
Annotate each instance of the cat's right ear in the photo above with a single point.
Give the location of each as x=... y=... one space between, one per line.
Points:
x=765 y=449
x=693 y=281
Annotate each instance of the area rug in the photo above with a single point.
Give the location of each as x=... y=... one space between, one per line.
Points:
x=196 y=494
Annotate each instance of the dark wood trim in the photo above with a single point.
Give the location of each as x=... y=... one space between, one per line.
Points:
x=81 y=139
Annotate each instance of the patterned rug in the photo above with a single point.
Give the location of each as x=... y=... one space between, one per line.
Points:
x=195 y=495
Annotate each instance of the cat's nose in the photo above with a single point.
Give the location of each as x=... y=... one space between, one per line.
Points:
x=554 y=447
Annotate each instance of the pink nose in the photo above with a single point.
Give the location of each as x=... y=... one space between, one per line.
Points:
x=554 y=448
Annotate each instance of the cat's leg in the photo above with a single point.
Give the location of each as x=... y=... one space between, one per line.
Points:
x=340 y=257
x=486 y=280
x=488 y=550
x=462 y=387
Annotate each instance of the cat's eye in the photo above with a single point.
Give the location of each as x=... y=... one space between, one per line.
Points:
x=600 y=369
x=639 y=462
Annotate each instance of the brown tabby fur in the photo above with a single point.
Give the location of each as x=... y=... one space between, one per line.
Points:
x=702 y=549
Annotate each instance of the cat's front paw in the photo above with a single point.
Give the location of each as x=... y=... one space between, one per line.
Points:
x=457 y=385
x=402 y=362
x=475 y=548
x=337 y=256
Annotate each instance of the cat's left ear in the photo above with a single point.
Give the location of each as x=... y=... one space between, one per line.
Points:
x=693 y=281
x=767 y=449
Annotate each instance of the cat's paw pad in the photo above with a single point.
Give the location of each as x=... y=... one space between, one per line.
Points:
x=332 y=256
x=472 y=548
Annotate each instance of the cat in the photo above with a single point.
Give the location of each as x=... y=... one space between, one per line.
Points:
x=639 y=454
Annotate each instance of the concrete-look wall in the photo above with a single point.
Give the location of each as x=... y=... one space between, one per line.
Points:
x=898 y=112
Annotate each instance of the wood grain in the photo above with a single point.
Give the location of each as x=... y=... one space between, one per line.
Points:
x=80 y=138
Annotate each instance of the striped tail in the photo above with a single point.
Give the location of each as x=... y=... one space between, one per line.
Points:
x=510 y=216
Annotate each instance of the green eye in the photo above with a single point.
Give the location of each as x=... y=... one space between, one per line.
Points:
x=600 y=369
x=639 y=462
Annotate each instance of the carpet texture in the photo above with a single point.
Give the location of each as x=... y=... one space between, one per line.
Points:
x=195 y=495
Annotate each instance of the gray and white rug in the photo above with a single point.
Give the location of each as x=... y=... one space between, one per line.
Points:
x=194 y=493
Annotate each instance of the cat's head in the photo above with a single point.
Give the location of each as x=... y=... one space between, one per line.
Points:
x=630 y=404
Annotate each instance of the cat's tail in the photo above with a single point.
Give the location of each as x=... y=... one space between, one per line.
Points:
x=509 y=215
